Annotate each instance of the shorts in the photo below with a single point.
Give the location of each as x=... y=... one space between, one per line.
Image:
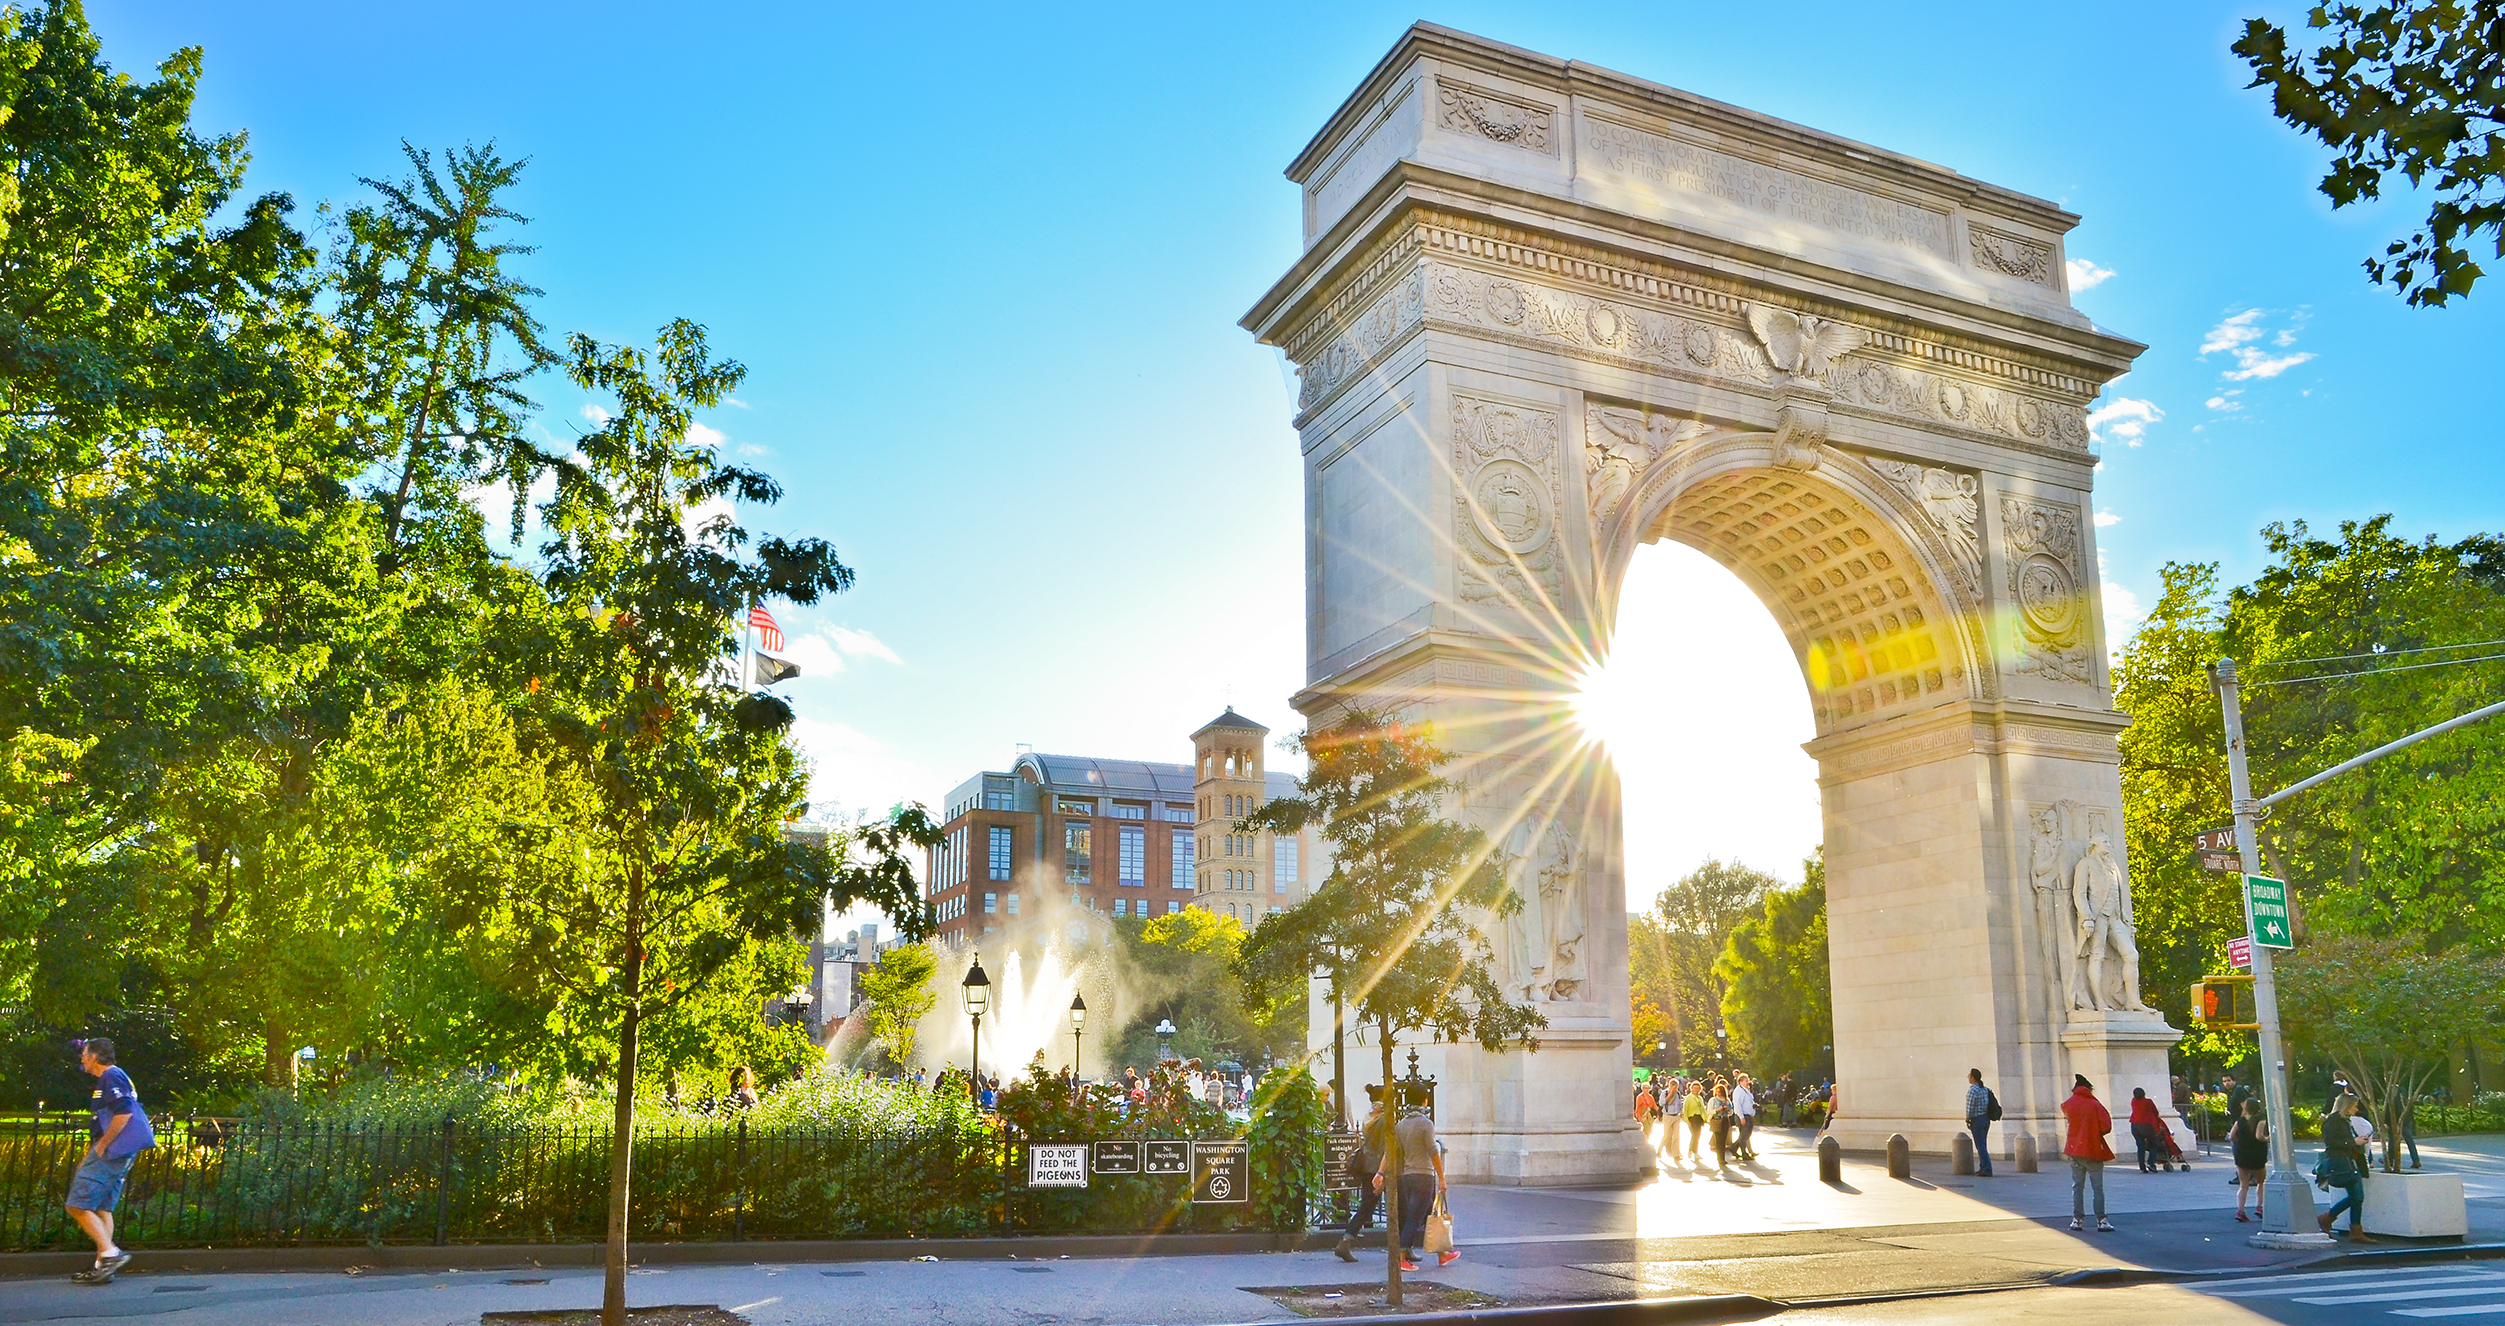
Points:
x=2251 y=1177
x=98 y=1184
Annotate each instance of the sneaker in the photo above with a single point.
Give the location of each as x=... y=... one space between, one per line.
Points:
x=2104 y=1226
x=1447 y=1258
x=108 y=1267
x=2241 y=1218
x=1345 y=1250
x=2076 y=1225
x=1408 y=1265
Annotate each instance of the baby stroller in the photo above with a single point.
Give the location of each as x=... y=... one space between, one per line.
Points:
x=2170 y=1154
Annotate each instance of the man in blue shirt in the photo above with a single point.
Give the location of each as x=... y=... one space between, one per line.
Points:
x=121 y=1132
x=1979 y=1104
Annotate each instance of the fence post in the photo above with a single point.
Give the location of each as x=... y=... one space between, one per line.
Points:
x=443 y=1177
x=739 y=1178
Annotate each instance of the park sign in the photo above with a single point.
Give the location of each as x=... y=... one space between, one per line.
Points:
x=1221 y=1172
x=2266 y=911
x=1056 y=1165
x=2217 y=851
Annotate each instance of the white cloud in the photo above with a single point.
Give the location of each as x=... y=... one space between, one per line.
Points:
x=2122 y=616
x=2125 y=421
x=2106 y=518
x=595 y=414
x=2225 y=402
x=737 y=403
x=857 y=770
x=2241 y=334
x=824 y=653
x=2085 y=275
x=711 y=439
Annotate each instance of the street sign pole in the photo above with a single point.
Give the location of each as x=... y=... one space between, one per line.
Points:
x=2287 y=1201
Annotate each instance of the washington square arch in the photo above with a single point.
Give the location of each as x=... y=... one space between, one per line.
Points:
x=1547 y=313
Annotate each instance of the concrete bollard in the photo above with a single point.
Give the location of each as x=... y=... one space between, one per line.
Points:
x=2026 y=1153
x=1961 y=1154
x=1830 y=1160
x=1900 y=1157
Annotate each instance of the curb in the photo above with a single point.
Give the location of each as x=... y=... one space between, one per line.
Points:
x=1616 y=1312
x=502 y=1256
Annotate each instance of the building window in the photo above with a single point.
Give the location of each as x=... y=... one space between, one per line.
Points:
x=999 y=794
x=1002 y=850
x=1130 y=810
x=1076 y=867
x=991 y=904
x=1178 y=814
x=1012 y=901
x=1077 y=806
x=1283 y=864
x=1173 y=908
x=1121 y=906
x=1132 y=865
x=1181 y=875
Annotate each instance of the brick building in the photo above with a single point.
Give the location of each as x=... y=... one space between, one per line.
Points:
x=1120 y=838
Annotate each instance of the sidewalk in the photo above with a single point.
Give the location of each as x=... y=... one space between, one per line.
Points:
x=1769 y=1229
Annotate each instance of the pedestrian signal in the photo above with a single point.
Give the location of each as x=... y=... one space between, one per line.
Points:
x=2225 y=1003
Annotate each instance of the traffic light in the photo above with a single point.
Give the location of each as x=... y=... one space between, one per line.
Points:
x=2217 y=1005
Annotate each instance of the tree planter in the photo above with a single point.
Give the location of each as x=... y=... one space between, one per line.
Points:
x=2415 y=1204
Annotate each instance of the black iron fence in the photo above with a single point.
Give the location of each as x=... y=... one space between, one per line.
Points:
x=213 y=1182
x=218 y=1182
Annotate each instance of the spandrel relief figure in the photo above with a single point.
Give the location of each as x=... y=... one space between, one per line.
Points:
x=1561 y=909
x=2105 y=930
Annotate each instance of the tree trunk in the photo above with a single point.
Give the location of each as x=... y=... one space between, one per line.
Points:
x=278 y=1053
x=622 y=1140
x=1391 y=1184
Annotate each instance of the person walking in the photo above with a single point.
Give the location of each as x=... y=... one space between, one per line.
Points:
x=1981 y=1108
x=1718 y=1116
x=1373 y=1137
x=119 y=1131
x=2145 y=1121
x=2089 y=1123
x=1645 y=1112
x=2343 y=1166
x=1692 y=1112
x=1744 y=1104
x=2409 y=1130
x=1421 y=1183
x=1784 y=1094
x=2249 y=1141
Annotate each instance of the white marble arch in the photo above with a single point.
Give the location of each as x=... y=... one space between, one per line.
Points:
x=1548 y=313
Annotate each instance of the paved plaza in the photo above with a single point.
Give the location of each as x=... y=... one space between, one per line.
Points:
x=1770 y=1229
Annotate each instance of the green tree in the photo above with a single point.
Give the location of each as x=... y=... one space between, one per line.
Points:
x=898 y=992
x=1776 y=992
x=2414 y=89
x=1181 y=966
x=2389 y=1013
x=1395 y=925
x=2344 y=645
x=695 y=777
x=1673 y=947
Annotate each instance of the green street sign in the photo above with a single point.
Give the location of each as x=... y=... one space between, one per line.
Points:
x=2266 y=911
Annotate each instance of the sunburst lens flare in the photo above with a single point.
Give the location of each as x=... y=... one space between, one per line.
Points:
x=1606 y=706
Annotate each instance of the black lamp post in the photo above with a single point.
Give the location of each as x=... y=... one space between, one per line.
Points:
x=1078 y=1023
x=977 y=989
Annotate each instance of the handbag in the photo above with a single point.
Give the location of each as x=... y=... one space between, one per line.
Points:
x=1439 y=1227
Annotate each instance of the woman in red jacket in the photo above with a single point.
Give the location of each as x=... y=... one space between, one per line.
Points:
x=2146 y=1128
x=2088 y=1152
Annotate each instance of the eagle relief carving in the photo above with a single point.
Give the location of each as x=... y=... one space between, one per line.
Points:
x=1803 y=347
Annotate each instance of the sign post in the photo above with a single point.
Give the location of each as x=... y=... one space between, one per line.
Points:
x=2287 y=1200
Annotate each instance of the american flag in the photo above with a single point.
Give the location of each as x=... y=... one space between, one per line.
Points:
x=769 y=635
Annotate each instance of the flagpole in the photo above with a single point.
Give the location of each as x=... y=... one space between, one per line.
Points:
x=747 y=644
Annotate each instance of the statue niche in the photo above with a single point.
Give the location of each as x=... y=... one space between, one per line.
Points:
x=2083 y=910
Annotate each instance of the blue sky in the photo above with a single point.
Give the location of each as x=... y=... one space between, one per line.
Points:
x=985 y=265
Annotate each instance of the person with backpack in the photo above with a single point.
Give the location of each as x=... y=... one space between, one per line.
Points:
x=1982 y=1109
x=1373 y=1139
x=2343 y=1166
x=121 y=1131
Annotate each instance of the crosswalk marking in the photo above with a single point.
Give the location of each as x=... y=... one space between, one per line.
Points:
x=2382 y=1280
x=2433 y=1290
x=2402 y=1295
